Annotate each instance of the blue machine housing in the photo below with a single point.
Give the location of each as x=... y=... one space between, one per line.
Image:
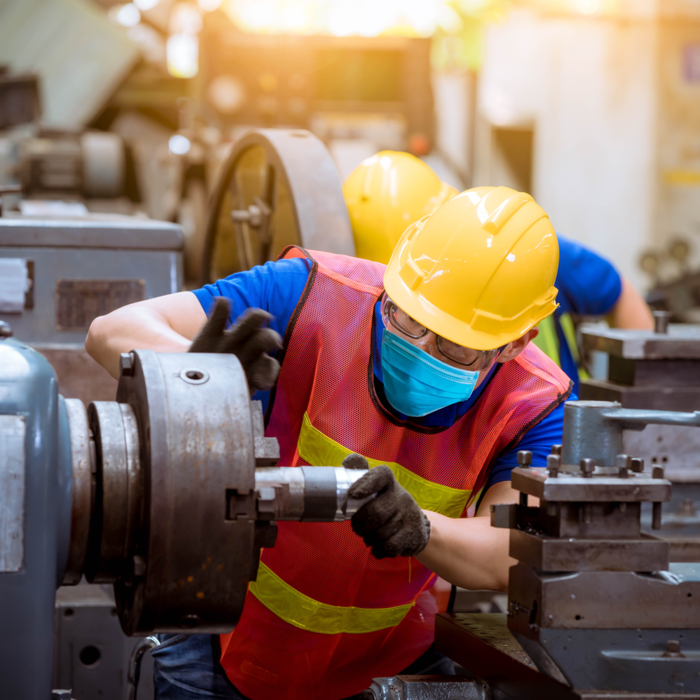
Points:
x=29 y=390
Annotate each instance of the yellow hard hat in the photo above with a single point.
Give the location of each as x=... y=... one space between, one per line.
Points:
x=384 y=195
x=480 y=271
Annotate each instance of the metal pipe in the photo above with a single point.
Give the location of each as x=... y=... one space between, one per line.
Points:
x=317 y=494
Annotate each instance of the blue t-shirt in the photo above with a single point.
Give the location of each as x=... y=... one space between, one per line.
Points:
x=588 y=285
x=277 y=287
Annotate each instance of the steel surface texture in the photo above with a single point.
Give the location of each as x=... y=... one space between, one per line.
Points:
x=81 y=511
x=190 y=568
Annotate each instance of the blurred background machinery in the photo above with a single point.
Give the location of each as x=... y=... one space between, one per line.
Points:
x=173 y=85
x=58 y=273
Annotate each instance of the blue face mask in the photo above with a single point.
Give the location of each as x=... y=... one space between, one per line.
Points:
x=416 y=383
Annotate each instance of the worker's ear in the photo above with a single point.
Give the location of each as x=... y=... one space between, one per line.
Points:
x=513 y=349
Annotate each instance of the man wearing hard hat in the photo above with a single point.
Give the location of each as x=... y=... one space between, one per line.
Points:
x=392 y=189
x=425 y=368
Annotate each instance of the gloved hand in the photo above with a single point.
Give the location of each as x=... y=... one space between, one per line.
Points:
x=246 y=340
x=392 y=523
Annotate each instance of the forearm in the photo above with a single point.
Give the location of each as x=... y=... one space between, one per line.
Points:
x=129 y=329
x=467 y=552
x=631 y=311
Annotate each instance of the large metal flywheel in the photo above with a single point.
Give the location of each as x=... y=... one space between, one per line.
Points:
x=279 y=187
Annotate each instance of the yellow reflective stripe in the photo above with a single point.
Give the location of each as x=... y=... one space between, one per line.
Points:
x=321 y=451
x=301 y=611
x=547 y=341
x=569 y=330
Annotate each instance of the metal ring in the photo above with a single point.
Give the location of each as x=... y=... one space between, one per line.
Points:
x=81 y=511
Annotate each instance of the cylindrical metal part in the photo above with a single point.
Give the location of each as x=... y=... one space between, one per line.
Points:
x=104 y=164
x=320 y=494
x=195 y=549
x=661 y=319
x=656 y=516
x=82 y=468
x=309 y=494
x=588 y=433
x=119 y=490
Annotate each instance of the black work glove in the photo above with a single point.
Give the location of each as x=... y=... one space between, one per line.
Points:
x=246 y=340
x=392 y=523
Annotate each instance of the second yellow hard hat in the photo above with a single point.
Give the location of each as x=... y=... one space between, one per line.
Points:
x=384 y=195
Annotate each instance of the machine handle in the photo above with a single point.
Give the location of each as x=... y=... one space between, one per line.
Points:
x=637 y=419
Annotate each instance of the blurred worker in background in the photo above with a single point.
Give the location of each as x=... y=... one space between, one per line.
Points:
x=423 y=370
x=392 y=189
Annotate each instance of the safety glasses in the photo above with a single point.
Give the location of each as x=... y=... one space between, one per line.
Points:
x=476 y=360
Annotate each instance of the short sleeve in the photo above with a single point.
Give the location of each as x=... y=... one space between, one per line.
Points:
x=538 y=440
x=588 y=284
x=275 y=287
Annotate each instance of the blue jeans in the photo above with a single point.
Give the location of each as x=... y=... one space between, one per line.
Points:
x=190 y=669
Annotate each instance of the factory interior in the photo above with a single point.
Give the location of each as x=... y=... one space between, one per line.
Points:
x=349 y=349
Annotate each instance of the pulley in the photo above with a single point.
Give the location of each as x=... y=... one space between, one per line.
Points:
x=279 y=187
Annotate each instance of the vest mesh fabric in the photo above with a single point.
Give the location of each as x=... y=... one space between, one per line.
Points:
x=327 y=373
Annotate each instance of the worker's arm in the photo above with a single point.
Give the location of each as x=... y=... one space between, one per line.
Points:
x=468 y=552
x=630 y=310
x=164 y=324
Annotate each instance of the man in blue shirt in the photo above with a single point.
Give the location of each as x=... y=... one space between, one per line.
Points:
x=276 y=287
x=589 y=285
x=452 y=390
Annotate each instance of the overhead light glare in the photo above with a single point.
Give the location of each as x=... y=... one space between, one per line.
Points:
x=127 y=15
x=179 y=145
x=183 y=55
x=209 y=5
x=588 y=7
x=145 y=5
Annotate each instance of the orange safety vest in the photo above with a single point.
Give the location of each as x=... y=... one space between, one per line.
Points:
x=324 y=617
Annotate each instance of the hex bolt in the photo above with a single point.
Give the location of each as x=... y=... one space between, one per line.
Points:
x=587 y=467
x=673 y=646
x=637 y=464
x=657 y=472
x=624 y=462
x=553 y=465
x=126 y=364
x=661 y=319
x=5 y=330
x=61 y=695
x=556 y=450
x=524 y=459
